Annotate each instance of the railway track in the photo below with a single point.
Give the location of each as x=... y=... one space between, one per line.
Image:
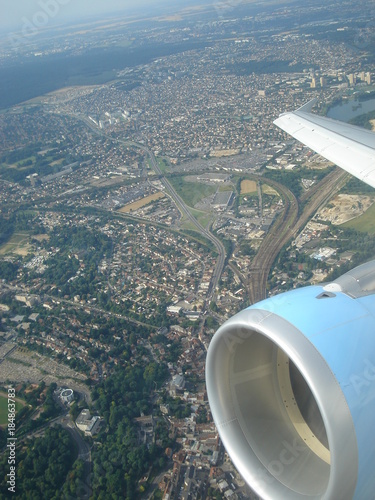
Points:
x=278 y=235
x=286 y=227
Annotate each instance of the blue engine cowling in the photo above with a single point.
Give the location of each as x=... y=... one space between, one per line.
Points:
x=291 y=386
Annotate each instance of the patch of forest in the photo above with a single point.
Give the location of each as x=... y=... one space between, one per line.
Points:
x=43 y=465
x=121 y=458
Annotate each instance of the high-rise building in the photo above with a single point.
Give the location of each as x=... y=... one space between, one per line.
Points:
x=352 y=79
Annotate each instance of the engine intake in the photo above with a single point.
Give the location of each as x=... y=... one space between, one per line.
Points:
x=291 y=385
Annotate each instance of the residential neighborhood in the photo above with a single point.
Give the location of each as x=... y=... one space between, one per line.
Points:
x=144 y=205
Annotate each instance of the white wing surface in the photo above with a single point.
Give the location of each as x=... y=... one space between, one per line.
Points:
x=351 y=148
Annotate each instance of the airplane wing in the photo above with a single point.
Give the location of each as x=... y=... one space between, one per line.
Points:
x=351 y=148
x=290 y=380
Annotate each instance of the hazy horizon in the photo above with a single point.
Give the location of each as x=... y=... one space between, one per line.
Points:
x=18 y=16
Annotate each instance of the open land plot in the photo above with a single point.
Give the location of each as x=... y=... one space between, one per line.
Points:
x=353 y=210
x=163 y=165
x=18 y=244
x=141 y=203
x=225 y=187
x=318 y=165
x=20 y=165
x=203 y=218
x=188 y=225
x=192 y=192
x=224 y=152
x=248 y=186
x=41 y=237
x=57 y=162
x=108 y=181
x=269 y=190
x=364 y=223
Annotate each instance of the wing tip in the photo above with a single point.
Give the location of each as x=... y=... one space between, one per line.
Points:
x=306 y=108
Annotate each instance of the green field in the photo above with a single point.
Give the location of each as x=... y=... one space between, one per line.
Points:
x=188 y=225
x=18 y=243
x=226 y=187
x=203 y=218
x=21 y=164
x=4 y=409
x=163 y=165
x=365 y=223
x=191 y=192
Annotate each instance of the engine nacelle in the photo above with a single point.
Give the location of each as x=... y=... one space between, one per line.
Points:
x=291 y=386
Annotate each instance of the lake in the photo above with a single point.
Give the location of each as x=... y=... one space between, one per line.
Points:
x=350 y=109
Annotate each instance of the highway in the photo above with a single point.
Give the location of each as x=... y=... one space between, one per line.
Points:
x=184 y=209
x=205 y=232
x=283 y=230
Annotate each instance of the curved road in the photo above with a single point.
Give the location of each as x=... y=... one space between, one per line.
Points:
x=178 y=201
x=283 y=230
x=184 y=208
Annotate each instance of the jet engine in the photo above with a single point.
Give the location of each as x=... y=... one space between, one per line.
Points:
x=291 y=386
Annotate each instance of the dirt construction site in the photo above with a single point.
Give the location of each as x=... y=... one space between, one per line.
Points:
x=345 y=207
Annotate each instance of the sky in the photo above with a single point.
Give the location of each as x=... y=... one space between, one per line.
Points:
x=16 y=15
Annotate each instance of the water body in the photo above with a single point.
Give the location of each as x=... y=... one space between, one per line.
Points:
x=351 y=109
